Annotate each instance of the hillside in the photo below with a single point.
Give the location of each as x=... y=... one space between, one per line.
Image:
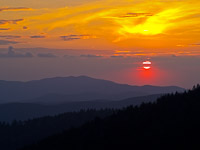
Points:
x=19 y=133
x=24 y=111
x=170 y=123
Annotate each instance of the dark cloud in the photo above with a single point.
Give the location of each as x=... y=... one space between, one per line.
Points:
x=73 y=37
x=10 y=21
x=116 y=56
x=14 y=9
x=46 y=55
x=4 y=28
x=91 y=56
x=9 y=36
x=12 y=54
x=37 y=36
x=6 y=42
x=137 y=15
x=69 y=38
x=24 y=27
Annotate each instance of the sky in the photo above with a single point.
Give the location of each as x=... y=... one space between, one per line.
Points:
x=106 y=39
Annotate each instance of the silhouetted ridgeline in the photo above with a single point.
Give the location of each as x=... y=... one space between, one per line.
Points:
x=173 y=122
x=71 y=89
x=18 y=133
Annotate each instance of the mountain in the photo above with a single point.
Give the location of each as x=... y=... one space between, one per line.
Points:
x=65 y=89
x=24 y=111
x=170 y=123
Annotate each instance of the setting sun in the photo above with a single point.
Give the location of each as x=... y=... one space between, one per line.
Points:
x=146 y=65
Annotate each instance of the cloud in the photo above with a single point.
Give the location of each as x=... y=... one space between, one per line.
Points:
x=37 y=36
x=69 y=38
x=6 y=42
x=12 y=54
x=128 y=24
x=137 y=15
x=25 y=27
x=10 y=21
x=46 y=55
x=4 y=28
x=91 y=56
x=14 y=9
x=74 y=37
x=9 y=36
x=116 y=56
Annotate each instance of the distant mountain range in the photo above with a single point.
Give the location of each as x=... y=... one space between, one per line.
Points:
x=71 y=89
x=25 y=100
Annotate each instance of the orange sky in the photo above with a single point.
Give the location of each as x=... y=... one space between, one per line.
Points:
x=156 y=26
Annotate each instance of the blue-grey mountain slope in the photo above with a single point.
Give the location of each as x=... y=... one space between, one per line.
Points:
x=67 y=89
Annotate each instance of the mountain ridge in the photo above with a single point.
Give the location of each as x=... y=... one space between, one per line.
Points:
x=81 y=88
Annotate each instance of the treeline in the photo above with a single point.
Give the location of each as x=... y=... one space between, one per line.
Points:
x=173 y=122
x=20 y=133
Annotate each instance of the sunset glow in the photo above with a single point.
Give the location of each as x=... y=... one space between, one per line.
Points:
x=107 y=24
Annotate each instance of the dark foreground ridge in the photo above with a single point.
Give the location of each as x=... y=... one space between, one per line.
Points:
x=173 y=122
x=20 y=133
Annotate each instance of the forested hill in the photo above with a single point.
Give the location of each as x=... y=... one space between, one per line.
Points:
x=173 y=122
x=20 y=133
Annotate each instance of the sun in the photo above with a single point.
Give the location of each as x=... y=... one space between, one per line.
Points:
x=147 y=65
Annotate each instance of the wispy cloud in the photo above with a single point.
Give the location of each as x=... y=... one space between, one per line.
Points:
x=10 y=36
x=5 y=28
x=137 y=15
x=37 y=36
x=121 y=19
x=14 y=9
x=91 y=56
x=66 y=38
x=121 y=24
x=74 y=37
x=7 y=42
x=10 y=21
